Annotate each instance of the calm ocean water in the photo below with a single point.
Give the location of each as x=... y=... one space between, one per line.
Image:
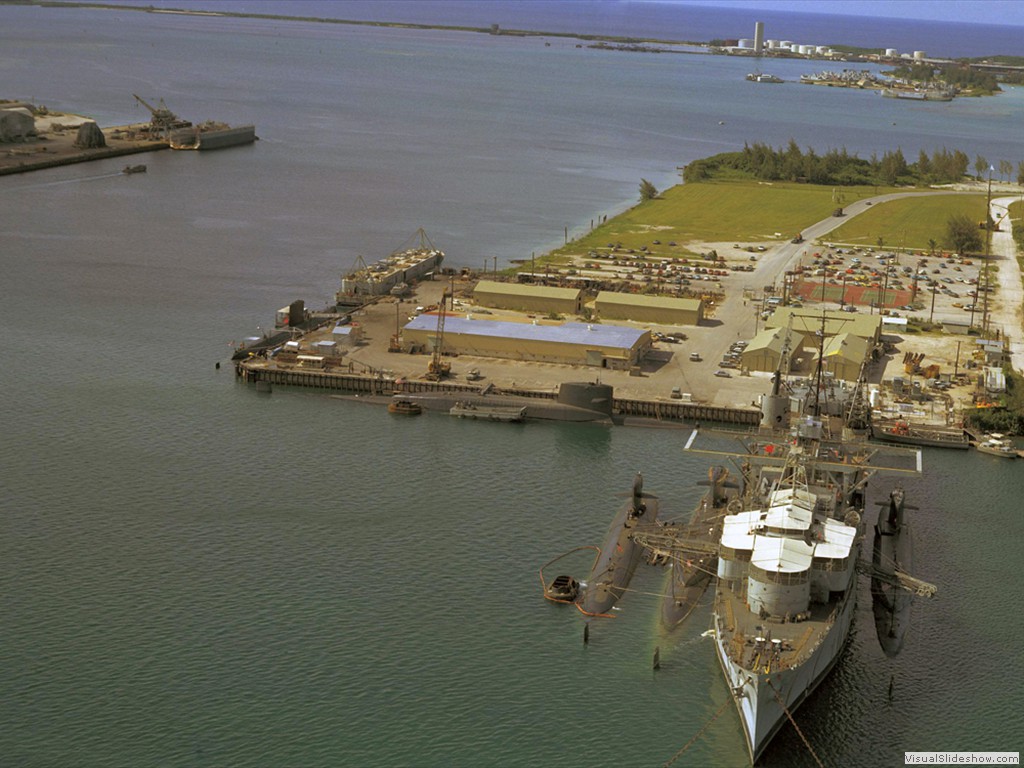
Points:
x=197 y=575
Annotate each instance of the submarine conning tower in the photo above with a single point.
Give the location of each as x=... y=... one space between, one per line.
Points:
x=587 y=395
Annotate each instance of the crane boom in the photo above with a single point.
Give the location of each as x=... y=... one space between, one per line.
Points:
x=438 y=369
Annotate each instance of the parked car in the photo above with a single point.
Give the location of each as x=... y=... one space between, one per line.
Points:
x=695 y=357
x=723 y=374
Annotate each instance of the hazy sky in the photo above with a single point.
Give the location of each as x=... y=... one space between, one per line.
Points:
x=1008 y=12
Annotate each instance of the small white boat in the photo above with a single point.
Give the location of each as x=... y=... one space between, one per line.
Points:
x=997 y=445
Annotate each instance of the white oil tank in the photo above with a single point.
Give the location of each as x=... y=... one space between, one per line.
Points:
x=919 y=55
x=891 y=53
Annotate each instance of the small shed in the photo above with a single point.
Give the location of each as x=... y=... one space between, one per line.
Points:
x=346 y=335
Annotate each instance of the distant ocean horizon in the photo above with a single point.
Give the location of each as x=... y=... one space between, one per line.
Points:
x=654 y=19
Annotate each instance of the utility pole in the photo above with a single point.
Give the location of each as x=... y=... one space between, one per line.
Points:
x=985 y=264
x=935 y=290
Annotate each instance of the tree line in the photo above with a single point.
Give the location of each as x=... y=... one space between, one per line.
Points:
x=957 y=75
x=841 y=168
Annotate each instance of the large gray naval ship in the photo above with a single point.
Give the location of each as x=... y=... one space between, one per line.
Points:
x=783 y=544
x=788 y=560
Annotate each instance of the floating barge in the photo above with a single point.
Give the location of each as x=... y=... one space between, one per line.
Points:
x=904 y=433
x=485 y=412
x=212 y=136
x=406 y=266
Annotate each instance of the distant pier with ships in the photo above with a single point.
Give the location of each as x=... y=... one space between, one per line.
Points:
x=34 y=138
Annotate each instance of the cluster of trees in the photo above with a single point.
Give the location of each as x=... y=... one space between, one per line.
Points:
x=960 y=76
x=839 y=167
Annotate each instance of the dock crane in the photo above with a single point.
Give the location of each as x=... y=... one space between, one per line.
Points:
x=437 y=369
x=163 y=119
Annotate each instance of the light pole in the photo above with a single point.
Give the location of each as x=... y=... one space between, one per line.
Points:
x=985 y=264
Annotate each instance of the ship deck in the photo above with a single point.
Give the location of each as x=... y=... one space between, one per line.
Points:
x=738 y=630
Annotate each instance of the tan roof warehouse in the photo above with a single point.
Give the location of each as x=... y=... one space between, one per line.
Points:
x=528 y=298
x=663 y=310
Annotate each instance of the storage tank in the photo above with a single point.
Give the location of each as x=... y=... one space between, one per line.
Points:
x=787 y=44
x=919 y=55
x=745 y=42
x=891 y=53
x=822 y=49
x=772 y=44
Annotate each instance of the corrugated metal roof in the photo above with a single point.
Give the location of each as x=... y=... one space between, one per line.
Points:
x=808 y=321
x=520 y=289
x=848 y=347
x=566 y=333
x=773 y=339
x=639 y=300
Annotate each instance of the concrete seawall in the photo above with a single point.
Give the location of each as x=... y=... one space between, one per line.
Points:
x=37 y=161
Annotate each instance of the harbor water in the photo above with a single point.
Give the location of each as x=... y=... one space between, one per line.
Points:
x=197 y=574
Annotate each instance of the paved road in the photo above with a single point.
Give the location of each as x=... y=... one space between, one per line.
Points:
x=734 y=313
x=1008 y=312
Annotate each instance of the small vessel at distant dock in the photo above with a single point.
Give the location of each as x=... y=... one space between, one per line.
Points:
x=134 y=169
x=405 y=407
x=997 y=444
x=760 y=77
x=907 y=434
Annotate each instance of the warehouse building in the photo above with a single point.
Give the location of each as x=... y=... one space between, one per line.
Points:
x=767 y=352
x=528 y=298
x=601 y=346
x=662 y=310
x=844 y=355
x=807 y=323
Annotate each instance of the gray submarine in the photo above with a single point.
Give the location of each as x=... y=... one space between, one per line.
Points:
x=620 y=554
x=892 y=552
x=575 y=401
x=689 y=576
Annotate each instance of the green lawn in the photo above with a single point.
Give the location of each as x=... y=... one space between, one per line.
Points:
x=718 y=211
x=909 y=223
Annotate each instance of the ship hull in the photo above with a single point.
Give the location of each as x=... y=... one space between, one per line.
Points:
x=757 y=700
x=216 y=139
x=954 y=440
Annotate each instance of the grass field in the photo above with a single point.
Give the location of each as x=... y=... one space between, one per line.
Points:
x=719 y=211
x=909 y=223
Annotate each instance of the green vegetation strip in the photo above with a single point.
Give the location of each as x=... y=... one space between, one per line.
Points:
x=910 y=223
x=720 y=211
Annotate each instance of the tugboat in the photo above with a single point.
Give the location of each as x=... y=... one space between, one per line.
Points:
x=405 y=408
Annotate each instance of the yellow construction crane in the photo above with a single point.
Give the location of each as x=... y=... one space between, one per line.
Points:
x=437 y=369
